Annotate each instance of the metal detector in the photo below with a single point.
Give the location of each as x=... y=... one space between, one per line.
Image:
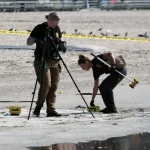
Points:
x=134 y=82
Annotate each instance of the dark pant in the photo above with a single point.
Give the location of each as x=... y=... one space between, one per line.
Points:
x=107 y=86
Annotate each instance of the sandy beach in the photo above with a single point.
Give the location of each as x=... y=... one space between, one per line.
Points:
x=18 y=79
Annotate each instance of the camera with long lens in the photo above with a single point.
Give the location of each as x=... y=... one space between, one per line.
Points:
x=62 y=47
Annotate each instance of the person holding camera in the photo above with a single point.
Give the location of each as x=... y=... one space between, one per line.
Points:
x=110 y=82
x=47 y=37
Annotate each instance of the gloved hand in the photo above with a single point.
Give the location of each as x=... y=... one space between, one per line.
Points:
x=62 y=46
x=92 y=103
x=37 y=41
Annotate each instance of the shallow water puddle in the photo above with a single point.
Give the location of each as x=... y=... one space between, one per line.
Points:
x=131 y=142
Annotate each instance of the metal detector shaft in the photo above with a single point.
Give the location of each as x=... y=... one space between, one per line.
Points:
x=110 y=67
x=71 y=76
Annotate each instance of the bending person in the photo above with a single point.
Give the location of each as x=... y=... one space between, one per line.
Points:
x=109 y=83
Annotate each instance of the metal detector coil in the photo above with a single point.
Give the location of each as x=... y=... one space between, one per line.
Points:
x=134 y=83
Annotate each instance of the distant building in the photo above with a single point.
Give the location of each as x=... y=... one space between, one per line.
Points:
x=47 y=5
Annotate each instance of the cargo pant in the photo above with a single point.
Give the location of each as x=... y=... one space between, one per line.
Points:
x=48 y=76
x=107 y=86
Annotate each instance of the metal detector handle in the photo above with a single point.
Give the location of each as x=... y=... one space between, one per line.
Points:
x=101 y=60
x=110 y=67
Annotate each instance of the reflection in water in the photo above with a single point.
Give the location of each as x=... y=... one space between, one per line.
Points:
x=132 y=142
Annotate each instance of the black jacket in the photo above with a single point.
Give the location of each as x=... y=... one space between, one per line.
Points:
x=41 y=33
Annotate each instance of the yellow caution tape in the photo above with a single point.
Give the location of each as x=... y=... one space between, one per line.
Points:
x=83 y=36
x=14 y=32
x=106 y=37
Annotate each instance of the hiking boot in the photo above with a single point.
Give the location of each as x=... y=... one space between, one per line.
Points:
x=53 y=114
x=108 y=111
x=37 y=111
x=103 y=110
